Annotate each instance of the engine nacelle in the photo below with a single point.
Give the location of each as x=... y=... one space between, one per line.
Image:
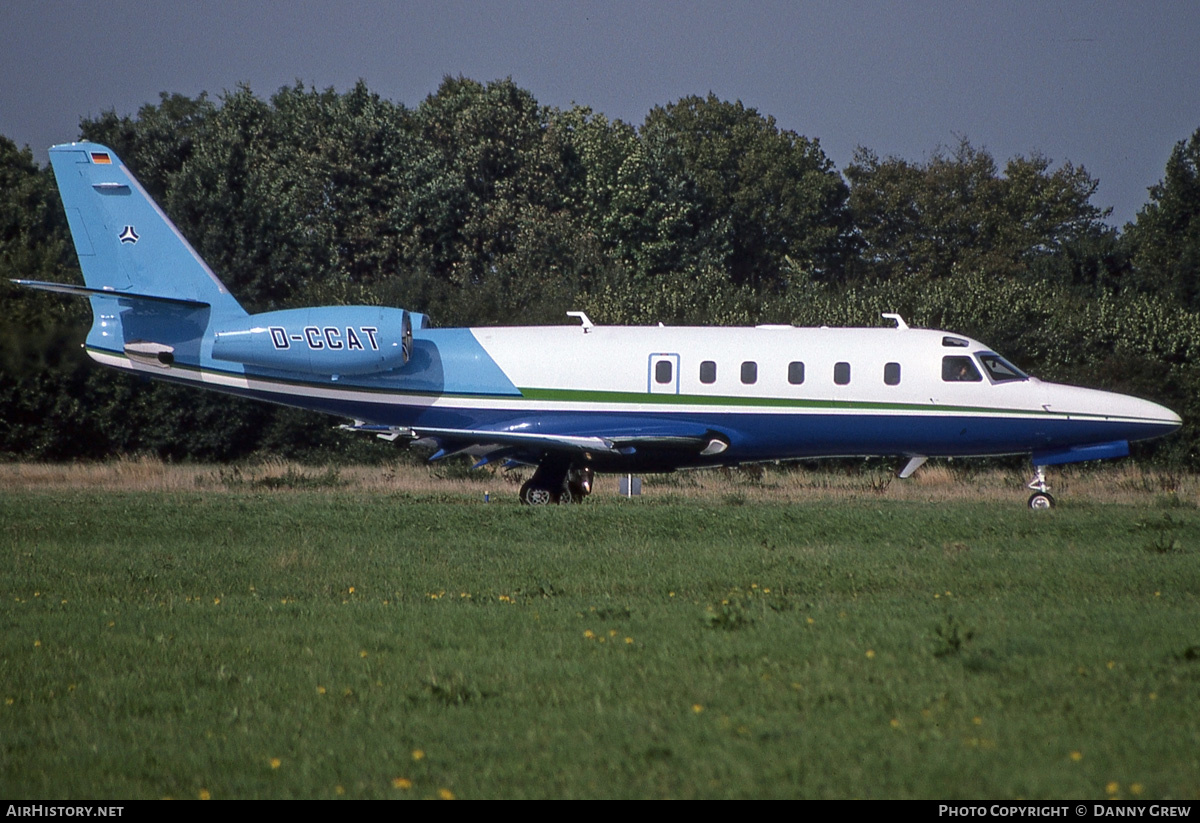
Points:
x=325 y=340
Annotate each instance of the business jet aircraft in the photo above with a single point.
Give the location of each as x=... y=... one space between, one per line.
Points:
x=570 y=399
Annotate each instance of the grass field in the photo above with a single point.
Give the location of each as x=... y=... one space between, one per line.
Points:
x=283 y=632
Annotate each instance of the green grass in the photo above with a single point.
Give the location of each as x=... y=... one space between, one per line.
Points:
x=321 y=644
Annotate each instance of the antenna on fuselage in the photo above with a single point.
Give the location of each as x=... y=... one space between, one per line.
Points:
x=900 y=324
x=583 y=318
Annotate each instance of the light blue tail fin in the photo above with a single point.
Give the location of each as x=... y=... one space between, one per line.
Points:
x=125 y=243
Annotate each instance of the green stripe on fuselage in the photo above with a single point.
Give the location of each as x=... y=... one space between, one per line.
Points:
x=646 y=398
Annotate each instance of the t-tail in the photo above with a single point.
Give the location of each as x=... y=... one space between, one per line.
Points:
x=157 y=305
x=153 y=297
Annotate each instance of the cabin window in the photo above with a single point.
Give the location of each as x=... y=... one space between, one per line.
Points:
x=795 y=373
x=960 y=370
x=1000 y=369
x=955 y=342
x=708 y=372
x=841 y=373
x=662 y=372
x=891 y=374
x=749 y=372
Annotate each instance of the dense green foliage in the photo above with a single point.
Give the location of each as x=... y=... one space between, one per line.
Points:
x=481 y=206
x=1165 y=239
x=202 y=644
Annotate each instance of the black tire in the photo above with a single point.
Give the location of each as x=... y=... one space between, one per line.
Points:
x=532 y=495
x=1040 y=501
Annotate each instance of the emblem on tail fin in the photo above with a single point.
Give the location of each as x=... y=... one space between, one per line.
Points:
x=128 y=235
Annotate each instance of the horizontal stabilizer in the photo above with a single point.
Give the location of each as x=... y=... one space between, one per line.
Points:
x=84 y=291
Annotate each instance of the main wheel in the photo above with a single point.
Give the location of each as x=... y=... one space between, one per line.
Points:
x=532 y=495
x=1041 y=500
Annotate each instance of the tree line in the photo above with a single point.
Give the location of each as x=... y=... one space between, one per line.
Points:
x=480 y=206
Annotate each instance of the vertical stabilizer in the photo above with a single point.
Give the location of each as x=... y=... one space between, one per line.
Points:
x=126 y=244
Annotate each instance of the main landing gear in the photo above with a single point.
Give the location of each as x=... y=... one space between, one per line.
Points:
x=1040 y=499
x=557 y=481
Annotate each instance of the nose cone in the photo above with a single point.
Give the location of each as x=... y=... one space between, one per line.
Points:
x=1124 y=416
x=1165 y=416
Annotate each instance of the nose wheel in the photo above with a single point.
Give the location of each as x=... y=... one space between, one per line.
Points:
x=1040 y=499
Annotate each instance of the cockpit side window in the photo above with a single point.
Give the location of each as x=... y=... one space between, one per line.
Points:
x=999 y=369
x=960 y=369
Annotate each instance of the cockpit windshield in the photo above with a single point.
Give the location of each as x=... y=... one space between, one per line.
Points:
x=999 y=369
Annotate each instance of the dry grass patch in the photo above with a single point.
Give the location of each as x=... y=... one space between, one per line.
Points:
x=936 y=482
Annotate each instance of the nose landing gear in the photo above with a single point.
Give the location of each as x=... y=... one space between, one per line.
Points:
x=1040 y=499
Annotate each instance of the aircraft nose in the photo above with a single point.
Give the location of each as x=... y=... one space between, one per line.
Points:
x=1144 y=418
x=1158 y=419
x=1163 y=415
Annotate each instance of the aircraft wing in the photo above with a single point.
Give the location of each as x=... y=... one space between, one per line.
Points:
x=527 y=446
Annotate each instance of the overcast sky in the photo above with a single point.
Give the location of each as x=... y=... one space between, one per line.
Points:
x=1109 y=86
